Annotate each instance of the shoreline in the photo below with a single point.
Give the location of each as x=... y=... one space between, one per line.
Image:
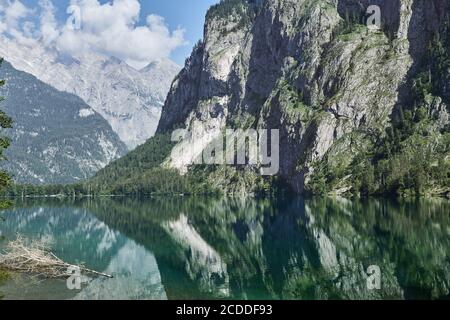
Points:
x=444 y=195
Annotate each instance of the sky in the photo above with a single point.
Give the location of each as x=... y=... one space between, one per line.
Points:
x=188 y=14
x=136 y=31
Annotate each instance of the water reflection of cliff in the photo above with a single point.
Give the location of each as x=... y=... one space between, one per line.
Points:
x=77 y=236
x=291 y=248
x=232 y=248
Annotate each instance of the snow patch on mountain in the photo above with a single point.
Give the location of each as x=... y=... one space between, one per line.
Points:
x=86 y=113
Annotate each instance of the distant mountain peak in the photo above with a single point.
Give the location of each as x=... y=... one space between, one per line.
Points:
x=166 y=64
x=129 y=99
x=56 y=138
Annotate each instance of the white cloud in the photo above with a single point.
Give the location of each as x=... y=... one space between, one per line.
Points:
x=12 y=16
x=3 y=26
x=14 y=12
x=48 y=25
x=111 y=28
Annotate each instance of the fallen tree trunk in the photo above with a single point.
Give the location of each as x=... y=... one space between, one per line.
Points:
x=36 y=258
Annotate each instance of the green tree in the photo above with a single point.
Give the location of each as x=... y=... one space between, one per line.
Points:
x=5 y=123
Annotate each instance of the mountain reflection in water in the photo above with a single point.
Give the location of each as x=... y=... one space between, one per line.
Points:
x=200 y=248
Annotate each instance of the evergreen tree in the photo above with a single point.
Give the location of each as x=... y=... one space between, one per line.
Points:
x=5 y=123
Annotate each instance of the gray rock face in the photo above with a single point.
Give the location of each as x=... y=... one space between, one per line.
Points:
x=56 y=137
x=308 y=68
x=129 y=99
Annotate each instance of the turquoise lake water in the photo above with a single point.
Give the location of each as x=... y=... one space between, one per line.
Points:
x=227 y=248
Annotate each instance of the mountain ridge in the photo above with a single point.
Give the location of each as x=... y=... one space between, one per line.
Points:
x=56 y=137
x=129 y=99
x=360 y=110
x=332 y=86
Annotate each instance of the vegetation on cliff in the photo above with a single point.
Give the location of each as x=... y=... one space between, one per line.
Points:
x=412 y=156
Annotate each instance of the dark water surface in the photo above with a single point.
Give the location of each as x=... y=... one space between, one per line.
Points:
x=200 y=248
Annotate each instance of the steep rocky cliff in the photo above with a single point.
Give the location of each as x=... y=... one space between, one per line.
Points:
x=315 y=71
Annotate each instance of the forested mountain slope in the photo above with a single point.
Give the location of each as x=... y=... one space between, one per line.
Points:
x=56 y=137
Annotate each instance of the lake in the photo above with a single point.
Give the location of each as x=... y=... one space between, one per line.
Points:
x=228 y=248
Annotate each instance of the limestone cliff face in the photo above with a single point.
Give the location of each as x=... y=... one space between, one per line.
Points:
x=310 y=68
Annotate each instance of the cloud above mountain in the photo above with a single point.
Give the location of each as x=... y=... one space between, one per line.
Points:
x=112 y=28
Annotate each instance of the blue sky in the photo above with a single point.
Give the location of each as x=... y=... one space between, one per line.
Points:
x=185 y=14
x=188 y=14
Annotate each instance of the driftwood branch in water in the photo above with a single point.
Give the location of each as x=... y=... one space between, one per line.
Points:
x=36 y=258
